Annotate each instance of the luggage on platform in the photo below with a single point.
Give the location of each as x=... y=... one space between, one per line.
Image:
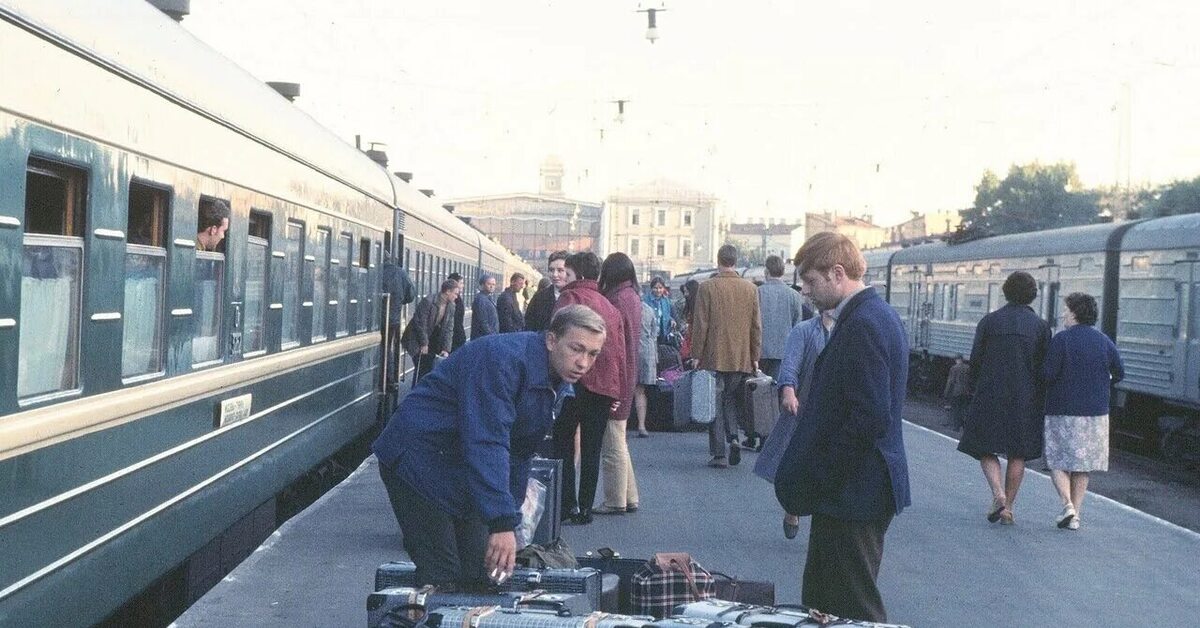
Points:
x=666 y=581
x=586 y=582
x=380 y=603
x=762 y=404
x=668 y=357
x=548 y=471
x=609 y=562
x=610 y=593
x=660 y=407
x=494 y=617
x=781 y=616
x=692 y=622
x=695 y=397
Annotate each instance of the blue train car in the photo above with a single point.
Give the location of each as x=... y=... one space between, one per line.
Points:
x=1158 y=333
x=155 y=391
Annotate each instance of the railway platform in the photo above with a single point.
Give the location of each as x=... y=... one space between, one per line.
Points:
x=944 y=565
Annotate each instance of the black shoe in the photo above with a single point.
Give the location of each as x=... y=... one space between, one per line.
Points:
x=568 y=515
x=583 y=518
x=790 y=530
x=750 y=443
x=735 y=453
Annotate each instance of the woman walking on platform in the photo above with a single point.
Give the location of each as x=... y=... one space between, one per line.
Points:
x=1081 y=366
x=618 y=283
x=1006 y=413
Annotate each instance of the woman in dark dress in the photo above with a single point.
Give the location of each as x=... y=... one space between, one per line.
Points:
x=1006 y=413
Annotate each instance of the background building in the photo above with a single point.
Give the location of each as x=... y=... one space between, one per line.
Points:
x=922 y=226
x=757 y=240
x=665 y=227
x=864 y=233
x=535 y=225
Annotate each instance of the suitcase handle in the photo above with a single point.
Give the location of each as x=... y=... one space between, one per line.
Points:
x=404 y=614
x=557 y=606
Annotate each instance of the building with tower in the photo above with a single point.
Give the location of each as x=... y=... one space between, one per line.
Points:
x=535 y=225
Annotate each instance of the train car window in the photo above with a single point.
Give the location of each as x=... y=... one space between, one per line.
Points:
x=293 y=252
x=957 y=291
x=994 y=270
x=962 y=270
x=345 y=249
x=378 y=257
x=1086 y=263
x=320 y=284
x=258 y=293
x=977 y=269
x=361 y=287
x=1140 y=262
x=939 y=301
x=145 y=281
x=387 y=241
x=208 y=286
x=51 y=279
x=364 y=252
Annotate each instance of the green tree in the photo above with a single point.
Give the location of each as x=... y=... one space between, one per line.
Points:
x=1177 y=197
x=1031 y=198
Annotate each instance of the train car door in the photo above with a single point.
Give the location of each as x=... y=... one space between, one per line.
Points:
x=914 y=307
x=1048 y=295
x=1192 y=324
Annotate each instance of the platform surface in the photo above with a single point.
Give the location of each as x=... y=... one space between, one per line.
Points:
x=943 y=565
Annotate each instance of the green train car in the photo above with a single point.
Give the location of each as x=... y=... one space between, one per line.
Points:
x=154 y=393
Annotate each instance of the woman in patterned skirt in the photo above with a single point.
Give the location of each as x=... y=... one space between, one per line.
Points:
x=1081 y=366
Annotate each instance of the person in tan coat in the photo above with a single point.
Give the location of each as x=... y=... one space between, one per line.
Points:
x=726 y=338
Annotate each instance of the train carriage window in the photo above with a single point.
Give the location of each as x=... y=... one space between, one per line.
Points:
x=1140 y=262
x=209 y=279
x=378 y=257
x=258 y=292
x=320 y=284
x=51 y=279
x=363 y=289
x=145 y=281
x=345 y=249
x=293 y=251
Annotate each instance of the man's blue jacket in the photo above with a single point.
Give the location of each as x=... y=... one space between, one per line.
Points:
x=463 y=437
x=846 y=459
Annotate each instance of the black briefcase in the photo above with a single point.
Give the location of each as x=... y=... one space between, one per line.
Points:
x=548 y=471
x=578 y=581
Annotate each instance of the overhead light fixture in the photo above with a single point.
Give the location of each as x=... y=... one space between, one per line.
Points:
x=652 y=27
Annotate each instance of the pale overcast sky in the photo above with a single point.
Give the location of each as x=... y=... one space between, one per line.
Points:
x=777 y=107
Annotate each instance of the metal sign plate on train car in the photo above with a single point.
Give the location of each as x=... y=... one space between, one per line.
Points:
x=234 y=409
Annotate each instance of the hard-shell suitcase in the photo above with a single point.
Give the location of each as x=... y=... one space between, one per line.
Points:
x=579 y=581
x=692 y=622
x=781 y=616
x=762 y=404
x=493 y=617
x=548 y=471
x=696 y=397
x=380 y=603
x=611 y=563
x=610 y=593
x=660 y=407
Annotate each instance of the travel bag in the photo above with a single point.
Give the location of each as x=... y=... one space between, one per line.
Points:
x=380 y=603
x=579 y=581
x=695 y=397
x=762 y=404
x=609 y=562
x=666 y=581
x=780 y=616
x=495 y=617
x=548 y=471
x=660 y=407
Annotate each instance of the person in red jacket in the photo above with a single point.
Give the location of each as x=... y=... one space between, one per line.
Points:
x=618 y=282
x=597 y=394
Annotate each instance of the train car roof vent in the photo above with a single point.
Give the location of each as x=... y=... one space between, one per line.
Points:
x=377 y=153
x=427 y=192
x=403 y=176
x=176 y=9
x=290 y=91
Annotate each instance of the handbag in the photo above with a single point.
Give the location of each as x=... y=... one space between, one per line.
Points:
x=668 y=580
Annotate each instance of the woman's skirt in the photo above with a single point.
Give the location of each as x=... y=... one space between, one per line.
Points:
x=1076 y=443
x=647 y=368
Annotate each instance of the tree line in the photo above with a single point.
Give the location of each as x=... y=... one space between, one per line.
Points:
x=1034 y=197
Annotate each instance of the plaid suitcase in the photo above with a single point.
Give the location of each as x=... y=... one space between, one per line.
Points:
x=380 y=603
x=493 y=617
x=695 y=397
x=548 y=472
x=781 y=616
x=667 y=580
x=585 y=582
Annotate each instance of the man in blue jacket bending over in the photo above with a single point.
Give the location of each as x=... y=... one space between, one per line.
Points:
x=846 y=464
x=455 y=455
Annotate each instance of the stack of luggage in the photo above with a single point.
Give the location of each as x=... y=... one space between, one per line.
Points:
x=667 y=591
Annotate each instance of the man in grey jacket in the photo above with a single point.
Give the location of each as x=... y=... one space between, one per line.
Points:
x=781 y=308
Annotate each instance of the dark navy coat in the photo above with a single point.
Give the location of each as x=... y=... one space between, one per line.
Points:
x=509 y=311
x=484 y=320
x=1081 y=366
x=1006 y=412
x=463 y=437
x=540 y=309
x=846 y=459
